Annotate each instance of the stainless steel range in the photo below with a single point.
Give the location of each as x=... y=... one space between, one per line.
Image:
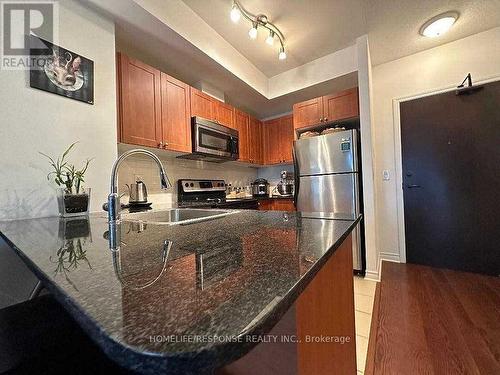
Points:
x=209 y=193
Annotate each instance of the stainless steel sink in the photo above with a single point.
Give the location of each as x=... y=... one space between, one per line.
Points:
x=177 y=216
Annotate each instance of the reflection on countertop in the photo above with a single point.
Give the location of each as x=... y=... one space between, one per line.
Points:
x=214 y=278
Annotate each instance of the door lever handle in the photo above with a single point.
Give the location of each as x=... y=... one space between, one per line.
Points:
x=413 y=186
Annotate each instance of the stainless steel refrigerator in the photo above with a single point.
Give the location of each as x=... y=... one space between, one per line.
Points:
x=327 y=180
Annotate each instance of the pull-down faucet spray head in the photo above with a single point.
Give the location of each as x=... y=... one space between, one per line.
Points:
x=114 y=198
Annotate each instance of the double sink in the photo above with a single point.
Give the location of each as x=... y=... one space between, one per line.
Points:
x=175 y=216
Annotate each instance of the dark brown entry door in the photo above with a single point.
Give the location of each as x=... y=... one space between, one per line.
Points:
x=451 y=180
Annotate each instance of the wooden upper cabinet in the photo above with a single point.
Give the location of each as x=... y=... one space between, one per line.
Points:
x=208 y=107
x=242 y=123
x=308 y=113
x=272 y=145
x=255 y=146
x=278 y=137
x=224 y=114
x=202 y=105
x=139 y=102
x=342 y=105
x=338 y=106
x=286 y=138
x=176 y=115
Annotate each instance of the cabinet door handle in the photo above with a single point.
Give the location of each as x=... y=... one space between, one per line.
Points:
x=321 y=119
x=165 y=145
x=160 y=144
x=325 y=119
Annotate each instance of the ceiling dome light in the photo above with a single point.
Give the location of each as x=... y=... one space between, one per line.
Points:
x=270 y=38
x=438 y=25
x=282 y=55
x=235 y=13
x=252 y=33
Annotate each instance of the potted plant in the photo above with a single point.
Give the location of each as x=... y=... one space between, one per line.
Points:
x=73 y=199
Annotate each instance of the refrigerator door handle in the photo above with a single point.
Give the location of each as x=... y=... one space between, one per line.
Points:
x=296 y=175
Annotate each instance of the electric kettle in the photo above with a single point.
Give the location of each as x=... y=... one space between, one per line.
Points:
x=137 y=192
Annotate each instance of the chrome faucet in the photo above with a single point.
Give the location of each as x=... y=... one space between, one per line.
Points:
x=113 y=206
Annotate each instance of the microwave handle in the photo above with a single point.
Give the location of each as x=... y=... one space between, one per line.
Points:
x=234 y=145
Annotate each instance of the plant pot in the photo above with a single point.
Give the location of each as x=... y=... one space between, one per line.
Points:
x=71 y=204
x=71 y=228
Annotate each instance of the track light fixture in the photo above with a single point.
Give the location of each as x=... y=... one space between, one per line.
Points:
x=270 y=38
x=282 y=54
x=252 y=33
x=257 y=21
x=235 y=13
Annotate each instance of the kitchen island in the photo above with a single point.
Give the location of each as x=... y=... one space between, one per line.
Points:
x=205 y=296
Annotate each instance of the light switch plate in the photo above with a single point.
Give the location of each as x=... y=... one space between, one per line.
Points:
x=386 y=175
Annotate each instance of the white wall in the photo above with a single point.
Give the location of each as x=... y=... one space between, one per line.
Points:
x=33 y=120
x=325 y=68
x=367 y=154
x=425 y=72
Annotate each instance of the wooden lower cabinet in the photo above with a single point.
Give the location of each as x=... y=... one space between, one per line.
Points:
x=265 y=205
x=321 y=324
x=282 y=204
x=276 y=204
x=325 y=309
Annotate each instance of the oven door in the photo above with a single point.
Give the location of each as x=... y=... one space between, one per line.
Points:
x=214 y=139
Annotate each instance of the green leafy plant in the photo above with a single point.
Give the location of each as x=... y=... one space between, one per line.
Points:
x=69 y=257
x=65 y=174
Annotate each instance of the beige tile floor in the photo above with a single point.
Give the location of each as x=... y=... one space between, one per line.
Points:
x=364 y=293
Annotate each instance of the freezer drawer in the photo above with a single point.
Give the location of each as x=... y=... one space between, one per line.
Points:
x=330 y=153
x=337 y=193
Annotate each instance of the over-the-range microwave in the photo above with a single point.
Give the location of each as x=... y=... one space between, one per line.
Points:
x=212 y=141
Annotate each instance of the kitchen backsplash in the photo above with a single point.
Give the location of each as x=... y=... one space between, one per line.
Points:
x=272 y=174
x=145 y=169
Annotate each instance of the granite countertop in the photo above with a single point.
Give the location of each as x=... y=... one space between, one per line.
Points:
x=259 y=198
x=184 y=308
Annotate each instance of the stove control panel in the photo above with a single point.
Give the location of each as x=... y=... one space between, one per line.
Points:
x=198 y=186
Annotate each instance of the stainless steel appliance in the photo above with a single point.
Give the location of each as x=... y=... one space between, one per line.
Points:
x=260 y=188
x=212 y=142
x=327 y=180
x=138 y=193
x=285 y=186
x=209 y=194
